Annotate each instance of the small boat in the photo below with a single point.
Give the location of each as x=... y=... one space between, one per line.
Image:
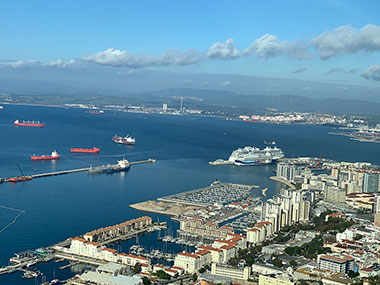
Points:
x=96 y=112
x=29 y=123
x=54 y=155
x=85 y=150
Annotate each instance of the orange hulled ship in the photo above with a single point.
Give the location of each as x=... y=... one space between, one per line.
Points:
x=54 y=155
x=29 y=124
x=85 y=150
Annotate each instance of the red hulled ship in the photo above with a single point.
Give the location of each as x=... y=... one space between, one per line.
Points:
x=29 y=123
x=85 y=150
x=54 y=155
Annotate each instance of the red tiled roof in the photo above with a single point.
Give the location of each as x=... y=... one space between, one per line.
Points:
x=333 y=258
x=188 y=254
x=93 y=243
x=109 y=250
x=228 y=246
x=79 y=239
x=202 y=252
x=210 y=248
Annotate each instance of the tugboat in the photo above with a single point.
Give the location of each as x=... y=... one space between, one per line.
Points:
x=85 y=150
x=54 y=155
x=29 y=124
x=127 y=140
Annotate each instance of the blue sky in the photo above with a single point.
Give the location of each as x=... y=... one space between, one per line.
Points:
x=80 y=31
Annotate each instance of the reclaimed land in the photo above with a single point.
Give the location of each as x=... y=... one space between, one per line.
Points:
x=167 y=208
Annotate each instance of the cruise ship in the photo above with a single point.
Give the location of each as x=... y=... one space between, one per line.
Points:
x=253 y=155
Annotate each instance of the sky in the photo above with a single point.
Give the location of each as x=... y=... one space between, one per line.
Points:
x=324 y=40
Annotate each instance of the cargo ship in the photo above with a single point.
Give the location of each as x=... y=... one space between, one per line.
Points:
x=85 y=150
x=29 y=124
x=127 y=140
x=54 y=155
x=19 y=179
x=122 y=165
x=96 y=112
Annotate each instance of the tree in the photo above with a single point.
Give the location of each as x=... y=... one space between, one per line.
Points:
x=137 y=268
x=293 y=263
x=352 y=274
x=277 y=262
x=162 y=275
x=195 y=277
x=146 y=281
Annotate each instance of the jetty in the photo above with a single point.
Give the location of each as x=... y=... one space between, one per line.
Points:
x=62 y=172
x=283 y=181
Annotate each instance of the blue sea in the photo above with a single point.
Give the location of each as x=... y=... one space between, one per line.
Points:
x=69 y=205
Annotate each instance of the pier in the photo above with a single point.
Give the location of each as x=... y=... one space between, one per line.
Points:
x=62 y=172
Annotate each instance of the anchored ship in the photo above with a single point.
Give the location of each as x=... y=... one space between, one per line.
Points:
x=85 y=150
x=54 y=155
x=127 y=140
x=29 y=123
x=122 y=165
x=253 y=156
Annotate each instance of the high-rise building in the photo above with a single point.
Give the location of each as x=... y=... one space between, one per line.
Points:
x=291 y=206
x=371 y=183
x=165 y=107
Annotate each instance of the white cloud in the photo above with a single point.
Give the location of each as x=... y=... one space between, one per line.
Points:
x=37 y=63
x=123 y=58
x=223 y=50
x=373 y=73
x=226 y=83
x=269 y=46
x=346 y=39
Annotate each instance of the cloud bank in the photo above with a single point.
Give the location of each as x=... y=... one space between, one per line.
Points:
x=123 y=58
x=269 y=46
x=373 y=73
x=37 y=63
x=223 y=50
x=346 y=39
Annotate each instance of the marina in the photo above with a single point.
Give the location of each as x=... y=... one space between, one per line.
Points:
x=216 y=193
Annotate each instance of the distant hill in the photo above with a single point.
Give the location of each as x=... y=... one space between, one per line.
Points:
x=194 y=98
